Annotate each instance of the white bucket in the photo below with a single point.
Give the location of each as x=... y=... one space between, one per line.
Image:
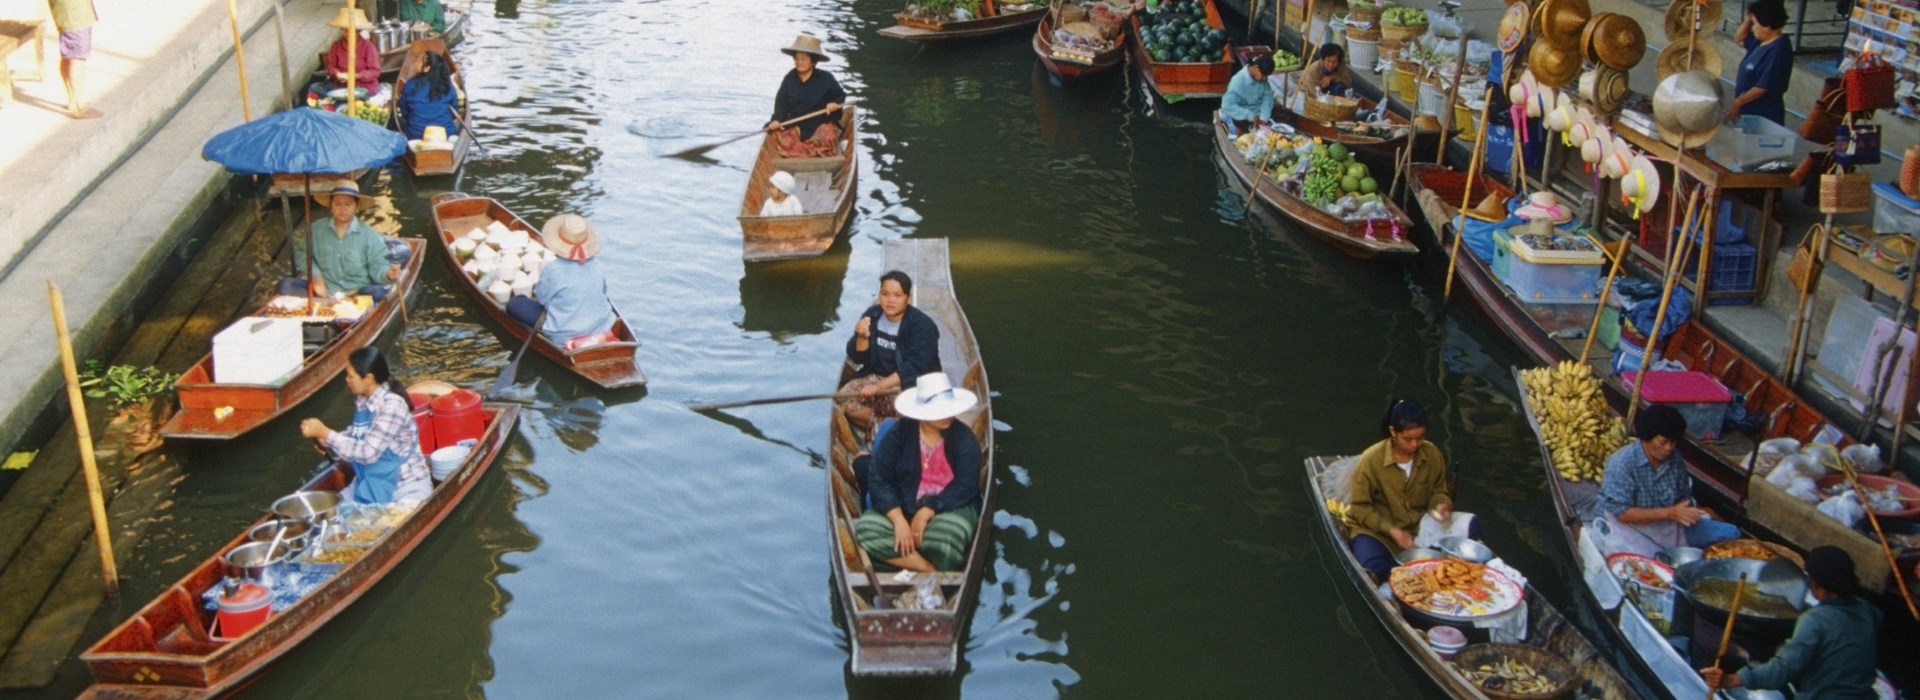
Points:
x=1318 y=30
x=1432 y=99
x=1364 y=54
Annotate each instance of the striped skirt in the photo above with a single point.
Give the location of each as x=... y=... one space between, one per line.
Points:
x=944 y=544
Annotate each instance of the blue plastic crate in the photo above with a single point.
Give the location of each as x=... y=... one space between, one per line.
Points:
x=1733 y=267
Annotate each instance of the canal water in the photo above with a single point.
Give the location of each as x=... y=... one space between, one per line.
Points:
x=1163 y=361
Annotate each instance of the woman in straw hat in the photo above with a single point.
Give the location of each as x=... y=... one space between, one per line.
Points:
x=366 y=59
x=780 y=199
x=922 y=481
x=892 y=344
x=805 y=90
x=1832 y=651
x=1760 y=87
x=571 y=290
x=348 y=255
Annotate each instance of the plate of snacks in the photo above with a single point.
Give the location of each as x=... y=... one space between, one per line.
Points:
x=1454 y=589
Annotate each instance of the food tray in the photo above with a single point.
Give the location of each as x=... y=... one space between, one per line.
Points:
x=1645 y=570
x=1448 y=606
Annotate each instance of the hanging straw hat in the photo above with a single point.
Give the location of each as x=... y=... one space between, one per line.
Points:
x=1673 y=59
x=1513 y=27
x=1617 y=41
x=570 y=236
x=1616 y=158
x=1490 y=209
x=1586 y=36
x=1545 y=206
x=360 y=21
x=1687 y=108
x=1641 y=184
x=807 y=44
x=1560 y=120
x=933 y=397
x=1611 y=93
x=1560 y=22
x=1679 y=21
x=782 y=180
x=347 y=188
x=1552 y=65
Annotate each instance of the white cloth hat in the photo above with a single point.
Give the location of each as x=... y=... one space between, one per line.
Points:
x=934 y=397
x=782 y=180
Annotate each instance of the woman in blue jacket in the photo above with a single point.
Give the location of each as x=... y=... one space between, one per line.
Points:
x=891 y=345
x=923 y=481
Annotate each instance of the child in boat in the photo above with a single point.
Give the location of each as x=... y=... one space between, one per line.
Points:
x=572 y=290
x=383 y=443
x=780 y=199
x=923 y=481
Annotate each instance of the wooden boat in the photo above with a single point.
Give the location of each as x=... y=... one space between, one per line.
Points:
x=1073 y=66
x=392 y=60
x=608 y=365
x=826 y=191
x=1360 y=239
x=897 y=642
x=1174 y=81
x=922 y=31
x=253 y=405
x=1547 y=629
x=171 y=648
x=427 y=163
x=1369 y=147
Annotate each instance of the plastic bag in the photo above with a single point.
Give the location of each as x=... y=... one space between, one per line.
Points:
x=1792 y=467
x=1865 y=459
x=1843 y=507
x=1771 y=452
x=1804 y=489
x=1824 y=455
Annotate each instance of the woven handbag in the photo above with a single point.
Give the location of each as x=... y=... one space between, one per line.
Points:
x=1826 y=113
x=1870 y=84
x=1910 y=172
x=1806 y=263
x=1845 y=193
x=1856 y=144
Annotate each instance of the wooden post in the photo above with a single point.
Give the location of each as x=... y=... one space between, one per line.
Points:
x=1473 y=171
x=280 y=37
x=102 y=537
x=1453 y=93
x=1797 y=336
x=353 y=50
x=1306 y=34
x=240 y=61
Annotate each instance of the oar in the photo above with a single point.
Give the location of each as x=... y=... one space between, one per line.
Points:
x=468 y=128
x=1726 y=635
x=702 y=150
x=506 y=375
x=785 y=399
x=845 y=524
x=1867 y=506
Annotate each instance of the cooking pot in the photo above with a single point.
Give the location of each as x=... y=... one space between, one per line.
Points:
x=251 y=560
x=1790 y=587
x=313 y=507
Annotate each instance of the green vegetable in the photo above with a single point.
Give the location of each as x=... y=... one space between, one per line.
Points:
x=1338 y=151
x=1369 y=185
x=1356 y=170
x=1349 y=184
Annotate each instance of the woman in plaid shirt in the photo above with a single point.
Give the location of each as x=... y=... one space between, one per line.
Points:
x=383 y=444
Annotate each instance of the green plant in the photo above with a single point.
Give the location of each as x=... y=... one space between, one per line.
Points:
x=125 y=385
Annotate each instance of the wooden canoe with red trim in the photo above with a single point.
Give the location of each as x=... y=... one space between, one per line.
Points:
x=1359 y=239
x=920 y=31
x=1180 y=80
x=255 y=405
x=826 y=192
x=1068 y=67
x=434 y=162
x=168 y=650
x=608 y=365
x=899 y=642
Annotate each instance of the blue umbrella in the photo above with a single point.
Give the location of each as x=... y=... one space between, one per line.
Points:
x=304 y=140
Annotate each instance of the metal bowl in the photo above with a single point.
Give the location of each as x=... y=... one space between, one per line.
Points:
x=309 y=506
x=298 y=533
x=1468 y=549
x=1417 y=554
x=1680 y=556
x=1791 y=587
x=251 y=560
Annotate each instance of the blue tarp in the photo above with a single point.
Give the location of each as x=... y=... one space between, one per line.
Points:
x=304 y=140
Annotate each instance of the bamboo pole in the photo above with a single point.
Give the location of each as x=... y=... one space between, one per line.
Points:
x=102 y=537
x=352 y=31
x=1473 y=171
x=1306 y=34
x=1726 y=635
x=1854 y=481
x=240 y=60
x=1600 y=309
x=1795 y=337
x=1453 y=93
x=1676 y=265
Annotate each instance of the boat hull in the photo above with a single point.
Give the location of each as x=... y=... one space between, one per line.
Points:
x=1359 y=239
x=922 y=32
x=827 y=187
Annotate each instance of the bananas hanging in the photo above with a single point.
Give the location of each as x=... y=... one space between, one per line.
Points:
x=1574 y=421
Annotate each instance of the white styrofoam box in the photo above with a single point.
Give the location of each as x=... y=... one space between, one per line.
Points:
x=1893 y=212
x=256 y=350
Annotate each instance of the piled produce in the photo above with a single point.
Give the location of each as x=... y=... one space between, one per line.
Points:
x=1575 y=423
x=1404 y=17
x=369 y=112
x=1178 y=33
x=1285 y=62
x=1325 y=175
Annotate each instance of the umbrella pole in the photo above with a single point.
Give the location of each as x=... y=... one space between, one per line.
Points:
x=353 y=51
x=308 y=187
x=286 y=217
x=240 y=61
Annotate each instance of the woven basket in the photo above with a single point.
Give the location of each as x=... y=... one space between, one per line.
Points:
x=1910 y=172
x=1557 y=670
x=1364 y=33
x=1369 y=15
x=1330 y=109
x=1870 y=84
x=1845 y=193
x=1401 y=35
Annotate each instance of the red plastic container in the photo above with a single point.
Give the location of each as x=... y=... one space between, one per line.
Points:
x=1698 y=396
x=423 y=419
x=244 y=609
x=457 y=416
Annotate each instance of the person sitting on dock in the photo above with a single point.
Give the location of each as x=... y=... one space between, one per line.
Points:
x=1833 y=648
x=572 y=290
x=806 y=90
x=383 y=444
x=430 y=98
x=1249 y=99
x=923 y=481
x=1647 y=489
x=366 y=60
x=348 y=255
x=429 y=12
x=1328 y=74
x=1396 y=484
x=892 y=344
x=780 y=200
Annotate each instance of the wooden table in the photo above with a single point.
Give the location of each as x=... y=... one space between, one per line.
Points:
x=15 y=33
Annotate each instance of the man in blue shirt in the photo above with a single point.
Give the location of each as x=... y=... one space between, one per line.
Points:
x=1760 y=87
x=1249 y=99
x=1646 y=486
x=572 y=290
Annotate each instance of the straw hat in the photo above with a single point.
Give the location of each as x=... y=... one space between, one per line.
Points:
x=1490 y=209
x=934 y=397
x=434 y=135
x=807 y=44
x=782 y=180
x=1590 y=150
x=347 y=188
x=1641 y=184
x=1552 y=65
x=1616 y=158
x=1545 y=206
x=1687 y=107
x=1560 y=120
x=1586 y=37
x=1426 y=122
x=360 y=21
x=570 y=236
x=1673 y=59
x=1679 y=21
x=1617 y=41
x=1513 y=27
x=1559 y=22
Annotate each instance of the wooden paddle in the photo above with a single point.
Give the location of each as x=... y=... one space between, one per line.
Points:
x=844 y=523
x=506 y=375
x=1893 y=562
x=786 y=399
x=702 y=150
x=468 y=127
x=1726 y=635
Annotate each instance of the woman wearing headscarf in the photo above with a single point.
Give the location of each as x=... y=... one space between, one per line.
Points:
x=807 y=89
x=430 y=98
x=383 y=442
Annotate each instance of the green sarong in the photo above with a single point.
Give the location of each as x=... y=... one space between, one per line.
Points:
x=944 y=544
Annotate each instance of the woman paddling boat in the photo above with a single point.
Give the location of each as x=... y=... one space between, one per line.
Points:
x=804 y=90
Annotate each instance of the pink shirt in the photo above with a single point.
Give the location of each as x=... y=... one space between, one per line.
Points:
x=935 y=473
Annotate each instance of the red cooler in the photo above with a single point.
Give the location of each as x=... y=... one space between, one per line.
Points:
x=1701 y=399
x=423 y=419
x=244 y=609
x=458 y=416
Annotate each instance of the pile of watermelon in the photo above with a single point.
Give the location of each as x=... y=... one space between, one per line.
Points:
x=1178 y=33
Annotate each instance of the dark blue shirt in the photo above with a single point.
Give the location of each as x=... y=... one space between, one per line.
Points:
x=1767 y=66
x=797 y=97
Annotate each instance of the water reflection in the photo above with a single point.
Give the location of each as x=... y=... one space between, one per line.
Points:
x=794 y=297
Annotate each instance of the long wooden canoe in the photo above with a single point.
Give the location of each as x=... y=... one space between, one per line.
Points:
x=826 y=192
x=897 y=642
x=1547 y=629
x=921 y=31
x=609 y=365
x=1176 y=80
x=1360 y=239
x=168 y=650
x=392 y=60
x=1070 y=67
x=1367 y=147
x=428 y=163
x=254 y=405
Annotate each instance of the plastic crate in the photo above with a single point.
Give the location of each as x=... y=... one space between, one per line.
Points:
x=1554 y=281
x=1735 y=221
x=1733 y=268
x=1893 y=212
x=1626 y=358
x=1752 y=142
x=1700 y=398
x=1502 y=254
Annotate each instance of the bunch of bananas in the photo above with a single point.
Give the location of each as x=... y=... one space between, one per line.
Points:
x=1574 y=420
x=1338 y=508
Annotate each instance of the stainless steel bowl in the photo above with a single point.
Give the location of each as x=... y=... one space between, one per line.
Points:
x=1468 y=549
x=1416 y=554
x=251 y=560
x=310 y=506
x=298 y=533
x=1677 y=557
